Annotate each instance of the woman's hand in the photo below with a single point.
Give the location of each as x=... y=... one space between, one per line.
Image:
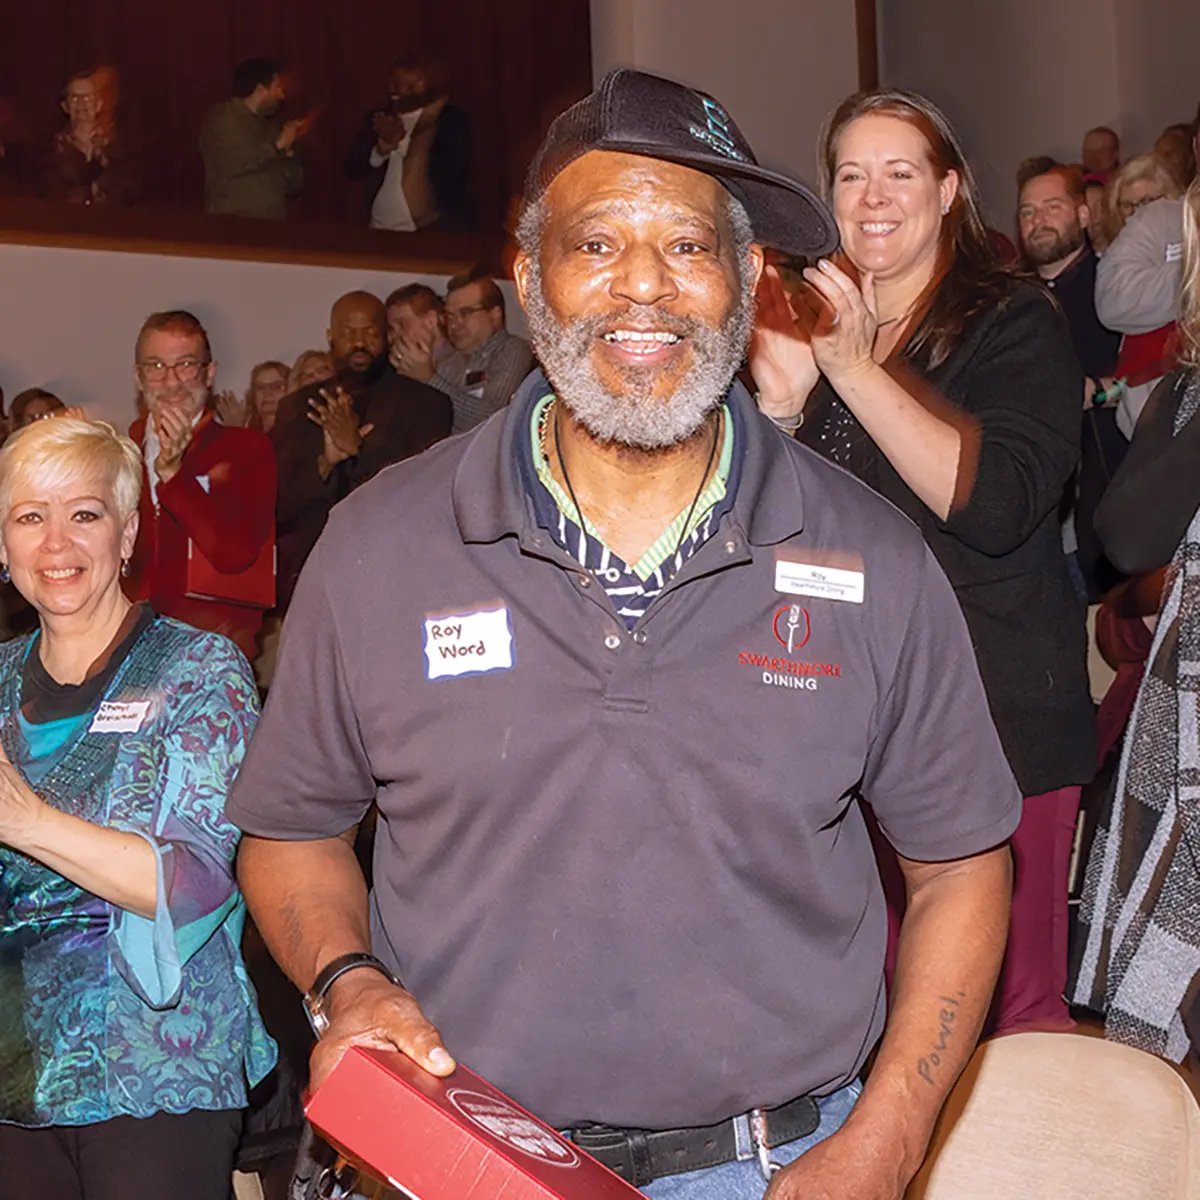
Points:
x=844 y=346
x=781 y=353
x=21 y=808
x=231 y=409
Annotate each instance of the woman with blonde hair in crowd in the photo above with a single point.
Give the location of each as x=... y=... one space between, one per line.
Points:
x=312 y=366
x=927 y=368
x=1137 y=279
x=129 y=1033
x=1139 y=958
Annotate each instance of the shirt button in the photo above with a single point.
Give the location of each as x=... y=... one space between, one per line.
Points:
x=639 y=637
x=731 y=547
x=613 y=642
x=584 y=580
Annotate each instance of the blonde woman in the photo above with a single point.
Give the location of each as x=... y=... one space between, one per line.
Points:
x=1137 y=280
x=311 y=367
x=1140 y=960
x=128 y=1029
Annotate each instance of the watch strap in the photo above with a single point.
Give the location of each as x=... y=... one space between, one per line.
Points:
x=314 y=998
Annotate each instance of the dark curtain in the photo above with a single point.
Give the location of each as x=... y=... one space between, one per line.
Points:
x=509 y=64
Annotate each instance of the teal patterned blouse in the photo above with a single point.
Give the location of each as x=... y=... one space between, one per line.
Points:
x=105 y=1013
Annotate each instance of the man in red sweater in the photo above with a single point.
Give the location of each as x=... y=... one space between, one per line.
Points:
x=203 y=482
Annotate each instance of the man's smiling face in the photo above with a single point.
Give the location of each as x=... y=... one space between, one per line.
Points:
x=640 y=299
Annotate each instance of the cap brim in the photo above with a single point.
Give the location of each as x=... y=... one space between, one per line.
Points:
x=784 y=213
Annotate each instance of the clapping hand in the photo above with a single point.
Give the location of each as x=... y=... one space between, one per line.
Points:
x=389 y=130
x=844 y=346
x=781 y=353
x=174 y=436
x=230 y=409
x=335 y=414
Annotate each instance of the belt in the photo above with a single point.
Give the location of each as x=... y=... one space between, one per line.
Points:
x=642 y=1155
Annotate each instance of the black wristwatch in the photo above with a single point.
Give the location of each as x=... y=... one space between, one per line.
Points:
x=314 y=998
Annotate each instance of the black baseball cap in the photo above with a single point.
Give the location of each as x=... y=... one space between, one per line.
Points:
x=635 y=113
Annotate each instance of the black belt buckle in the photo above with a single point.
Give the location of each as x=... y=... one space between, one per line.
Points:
x=640 y=1156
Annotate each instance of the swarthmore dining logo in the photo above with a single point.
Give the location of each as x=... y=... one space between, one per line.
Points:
x=792 y=628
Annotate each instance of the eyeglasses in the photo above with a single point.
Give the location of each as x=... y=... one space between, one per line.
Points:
x=1129 y=207
x=154 y=370
x=461 y=314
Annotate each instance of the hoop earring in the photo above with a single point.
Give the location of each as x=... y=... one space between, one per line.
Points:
x=124 y=568
x=5 y=577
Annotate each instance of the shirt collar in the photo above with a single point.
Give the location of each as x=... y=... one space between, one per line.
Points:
x=491 y=500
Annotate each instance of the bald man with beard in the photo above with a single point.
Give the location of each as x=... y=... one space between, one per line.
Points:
x=333 y=436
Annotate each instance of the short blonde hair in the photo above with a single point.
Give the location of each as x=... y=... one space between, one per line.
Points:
x=1189 y=296
x=58 y=451
x=302 y=363
x=1144 y=166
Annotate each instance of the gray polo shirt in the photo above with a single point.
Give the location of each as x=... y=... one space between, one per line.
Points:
x=626 y=872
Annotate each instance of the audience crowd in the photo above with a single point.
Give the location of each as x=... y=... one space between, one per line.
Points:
x=411 y=155
x=1037 y=422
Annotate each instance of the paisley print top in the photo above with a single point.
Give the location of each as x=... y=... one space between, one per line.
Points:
x=103 y=1012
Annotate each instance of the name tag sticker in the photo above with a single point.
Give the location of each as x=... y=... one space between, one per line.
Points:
x=808 y=579
x=119 y=716
x=468 y=644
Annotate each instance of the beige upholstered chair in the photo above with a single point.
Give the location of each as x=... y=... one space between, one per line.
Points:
x=1064 y=1117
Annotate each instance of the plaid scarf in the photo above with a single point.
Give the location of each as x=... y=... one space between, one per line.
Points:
x=1139 y=943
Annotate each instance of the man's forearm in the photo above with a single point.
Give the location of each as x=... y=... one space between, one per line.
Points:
x=308 y=899
x=951 y=946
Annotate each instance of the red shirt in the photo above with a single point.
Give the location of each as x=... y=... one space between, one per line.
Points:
x=223 y=499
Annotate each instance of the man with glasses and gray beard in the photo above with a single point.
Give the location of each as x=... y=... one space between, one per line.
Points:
x=619 y=669
x=206 y=487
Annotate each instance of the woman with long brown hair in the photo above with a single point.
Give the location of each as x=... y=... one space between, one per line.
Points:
x=924 y=366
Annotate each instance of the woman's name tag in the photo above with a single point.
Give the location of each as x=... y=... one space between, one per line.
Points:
x=119 y=716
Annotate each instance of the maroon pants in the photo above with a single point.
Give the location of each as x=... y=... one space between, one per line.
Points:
x=1033 y=978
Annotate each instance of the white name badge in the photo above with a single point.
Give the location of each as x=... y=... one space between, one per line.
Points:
x=830 y=583
x=119 y=716
x=468 y=644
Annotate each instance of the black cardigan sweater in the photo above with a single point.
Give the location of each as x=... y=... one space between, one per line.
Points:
x=1154 y=495
x=1015 y=371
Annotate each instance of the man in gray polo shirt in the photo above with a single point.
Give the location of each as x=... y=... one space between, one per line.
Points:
x=621 y=669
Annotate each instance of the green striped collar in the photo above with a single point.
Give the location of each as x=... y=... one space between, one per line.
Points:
x=674 y=533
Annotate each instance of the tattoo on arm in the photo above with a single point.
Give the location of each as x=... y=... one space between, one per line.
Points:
x=946 y=1020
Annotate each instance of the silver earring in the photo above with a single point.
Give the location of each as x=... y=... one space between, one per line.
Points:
x=124 y=568
x=945 y=210
x=5 y=577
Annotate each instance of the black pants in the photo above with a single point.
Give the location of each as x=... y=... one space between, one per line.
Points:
x=166 y=1156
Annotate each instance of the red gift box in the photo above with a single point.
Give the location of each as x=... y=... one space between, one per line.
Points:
x=450 y=1139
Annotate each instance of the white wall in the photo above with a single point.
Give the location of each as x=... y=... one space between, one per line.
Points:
x=1158 y=42
x=1025 y=77
x=778 y=66
x=68 y=318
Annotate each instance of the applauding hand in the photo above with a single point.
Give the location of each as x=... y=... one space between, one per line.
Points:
x=174 y=436
x=844 y=345
x=336 y=416
x=230 y=409
x=781 y=354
